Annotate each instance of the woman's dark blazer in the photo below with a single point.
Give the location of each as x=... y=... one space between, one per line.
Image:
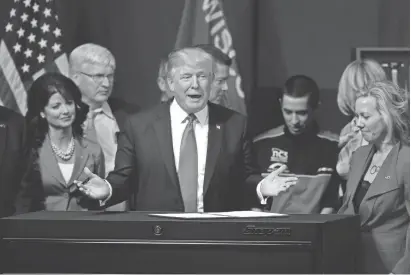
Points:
x=384 y=211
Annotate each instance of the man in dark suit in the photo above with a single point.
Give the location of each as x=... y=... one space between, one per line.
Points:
x=190 y=155
x=12 y=158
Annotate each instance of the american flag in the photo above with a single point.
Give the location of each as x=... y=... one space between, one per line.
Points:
x=32 y=45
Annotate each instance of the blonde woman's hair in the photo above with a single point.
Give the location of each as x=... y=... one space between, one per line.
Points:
x=393 y=105
x=355 y=77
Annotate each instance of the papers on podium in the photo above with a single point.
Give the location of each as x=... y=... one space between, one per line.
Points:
x=216 y=215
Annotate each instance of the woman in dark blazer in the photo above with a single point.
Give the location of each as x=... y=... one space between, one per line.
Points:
x=58 y=152
x=378 y=187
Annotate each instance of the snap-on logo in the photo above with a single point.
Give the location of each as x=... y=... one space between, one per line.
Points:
x=266 y=231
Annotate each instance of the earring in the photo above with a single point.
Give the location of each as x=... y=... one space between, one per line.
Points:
x=42 y=116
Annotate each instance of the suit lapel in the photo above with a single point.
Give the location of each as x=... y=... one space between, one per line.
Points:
x=162 y=127
x=3 y=140
x=215 y=134
x=385 y=175
x=358 y=175
x=81 y=157
x=49 y=161
x=384 y=182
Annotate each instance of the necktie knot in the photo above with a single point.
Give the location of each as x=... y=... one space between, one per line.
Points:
x=191 y=118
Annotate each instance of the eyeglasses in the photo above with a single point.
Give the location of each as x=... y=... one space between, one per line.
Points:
x=98 y=78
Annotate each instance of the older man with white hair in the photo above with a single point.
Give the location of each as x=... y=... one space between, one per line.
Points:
x=92 y=68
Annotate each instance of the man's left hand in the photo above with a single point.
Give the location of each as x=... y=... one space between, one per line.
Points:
x=273 y=184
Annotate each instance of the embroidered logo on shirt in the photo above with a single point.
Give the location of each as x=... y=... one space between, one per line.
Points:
x=278 y=155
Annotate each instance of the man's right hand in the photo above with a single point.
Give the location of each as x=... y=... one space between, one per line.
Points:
x=96 y=188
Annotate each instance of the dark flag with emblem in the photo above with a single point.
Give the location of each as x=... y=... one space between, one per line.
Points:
x=32 y=45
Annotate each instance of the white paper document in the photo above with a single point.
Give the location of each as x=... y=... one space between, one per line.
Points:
x=215 y=215
x=249 y=214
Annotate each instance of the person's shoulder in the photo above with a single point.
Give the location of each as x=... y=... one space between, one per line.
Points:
x=272 y=133
x=223 y=111
x=120 y=105
x=150 y=114
x=8 y=114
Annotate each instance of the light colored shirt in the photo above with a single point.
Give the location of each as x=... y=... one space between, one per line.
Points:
x=178 y=124
x=106 y=128
x=66 y=170
x=105 y=134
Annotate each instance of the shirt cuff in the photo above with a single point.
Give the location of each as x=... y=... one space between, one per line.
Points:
x=263 y=200
x=103 y=202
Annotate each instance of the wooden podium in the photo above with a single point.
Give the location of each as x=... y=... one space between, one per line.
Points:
x=134 y=242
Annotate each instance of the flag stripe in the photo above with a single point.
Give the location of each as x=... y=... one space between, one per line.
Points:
x=39 y=73
x=13 y=79
x=62 y=64
x=6 y=94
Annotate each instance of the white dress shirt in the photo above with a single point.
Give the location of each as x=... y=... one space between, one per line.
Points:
x=178 y=124
x=106 y=128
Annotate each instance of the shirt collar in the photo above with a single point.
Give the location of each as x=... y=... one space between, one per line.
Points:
x=311 y=131
x=105 y=109
x=178 y=114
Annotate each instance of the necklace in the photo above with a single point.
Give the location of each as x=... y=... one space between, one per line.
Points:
x=64 y=155
x=374 y=169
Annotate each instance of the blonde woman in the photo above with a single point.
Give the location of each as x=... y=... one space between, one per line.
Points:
x=356 y=76
x=378 y=186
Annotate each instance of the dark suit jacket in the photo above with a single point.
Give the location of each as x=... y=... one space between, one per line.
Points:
x=121 y=110
x=145 y=147
x=12 y=158
x=46 y=189
x=384 y=211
